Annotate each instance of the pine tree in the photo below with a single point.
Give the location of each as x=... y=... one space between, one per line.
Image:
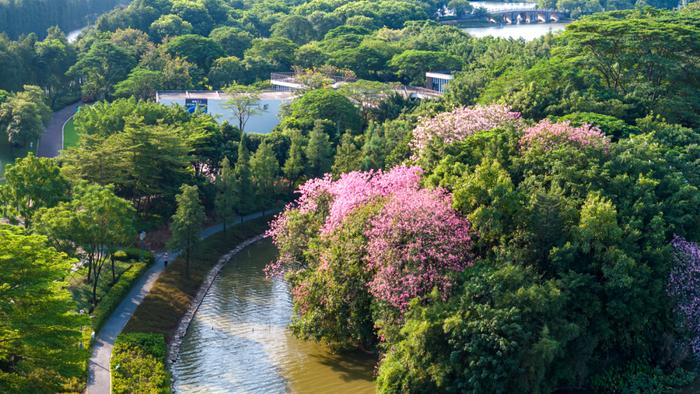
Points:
x=264 y=168
x=227 y=197
x=244 y=184
x=347 y=156
x=294 y=166
x=373 y=148
x=318 y=151
x=187 y=223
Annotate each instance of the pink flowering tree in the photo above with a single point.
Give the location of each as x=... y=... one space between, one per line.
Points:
x=366 y=237
x=684 y=287
x=456 y=125
x=548 y=136
x=414 y=245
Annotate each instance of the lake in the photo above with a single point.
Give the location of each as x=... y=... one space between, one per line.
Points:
x=524 y=31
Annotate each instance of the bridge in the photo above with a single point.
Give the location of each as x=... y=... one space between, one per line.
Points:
x=524 y=16
x=511 y=16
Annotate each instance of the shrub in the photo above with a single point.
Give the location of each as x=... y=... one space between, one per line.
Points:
x=138 y=364
x=114 y=296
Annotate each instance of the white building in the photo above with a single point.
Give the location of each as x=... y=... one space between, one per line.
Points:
x=438 y=81
x=214 y=103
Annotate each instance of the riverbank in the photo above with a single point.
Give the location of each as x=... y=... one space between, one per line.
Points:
x=99 y=377
x=170 y=297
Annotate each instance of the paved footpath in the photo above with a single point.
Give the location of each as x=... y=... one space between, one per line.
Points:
x=51 y=142
x=99 y=379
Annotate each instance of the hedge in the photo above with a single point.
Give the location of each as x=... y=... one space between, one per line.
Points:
x=109 y=302
x=138 y=364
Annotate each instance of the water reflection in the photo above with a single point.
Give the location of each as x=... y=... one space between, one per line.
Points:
x=239 y=342
x=525 y=31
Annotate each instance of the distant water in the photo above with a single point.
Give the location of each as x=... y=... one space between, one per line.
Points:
x=525 y=31
x=239 y=341
x=72 y=36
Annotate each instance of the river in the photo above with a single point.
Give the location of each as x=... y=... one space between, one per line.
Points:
x=239 y=342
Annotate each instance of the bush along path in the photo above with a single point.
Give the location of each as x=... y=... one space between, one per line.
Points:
x=99 y=378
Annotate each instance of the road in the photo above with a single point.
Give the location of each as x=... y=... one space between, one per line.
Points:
x=51 y=142
x=99 y=379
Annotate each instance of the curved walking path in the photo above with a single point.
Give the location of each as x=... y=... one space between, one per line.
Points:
x=99 y=378
x=51 y=142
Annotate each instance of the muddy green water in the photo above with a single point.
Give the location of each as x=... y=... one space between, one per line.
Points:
x=239 y=342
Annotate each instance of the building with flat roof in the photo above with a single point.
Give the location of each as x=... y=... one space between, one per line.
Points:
x=214 y=103
x=438 y=80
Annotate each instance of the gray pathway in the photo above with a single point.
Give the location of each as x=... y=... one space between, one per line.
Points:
x=99 y=379
x=51 y=142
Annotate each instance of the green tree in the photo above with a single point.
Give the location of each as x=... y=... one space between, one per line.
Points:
x=294 y=165
x=264 y=169
x=460 y=7
x=96 y=221
x=23 y=116
x=347 y=156
x=244 y=182
x=100 y=67
x=323 y=104
x=169 y=26
x=140 y=83
x=226 y=71
x=196 y=49
x=295 y=28
x=319 y=152
x=187 y=223
x=234 y=41
x=412 y=64
x=39 y=327
x=30 y=184
x=227 y=194
x=373 y=151
x=244 y=103
x=145 y=163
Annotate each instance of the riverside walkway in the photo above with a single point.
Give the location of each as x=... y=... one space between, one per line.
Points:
x=99 y=377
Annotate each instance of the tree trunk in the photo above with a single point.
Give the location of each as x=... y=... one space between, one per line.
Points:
x=94 y=289
x=114 y=275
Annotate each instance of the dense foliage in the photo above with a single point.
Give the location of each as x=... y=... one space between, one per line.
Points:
x=39 y=324
x=543 y=239
x=570 y=275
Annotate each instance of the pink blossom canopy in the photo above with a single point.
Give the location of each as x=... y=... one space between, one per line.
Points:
x=549 y=135
x=460 y=123
x=414 y=243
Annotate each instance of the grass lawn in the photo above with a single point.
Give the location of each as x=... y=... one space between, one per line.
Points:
x=82 y=291
x=171 y=295
x=70 y=136
x=109 y=294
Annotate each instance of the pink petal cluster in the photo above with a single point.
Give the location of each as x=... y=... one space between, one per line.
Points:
x=460 y=123
x=550 y=135
x=355 y=189
x=684 y=286
x=414 y=243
